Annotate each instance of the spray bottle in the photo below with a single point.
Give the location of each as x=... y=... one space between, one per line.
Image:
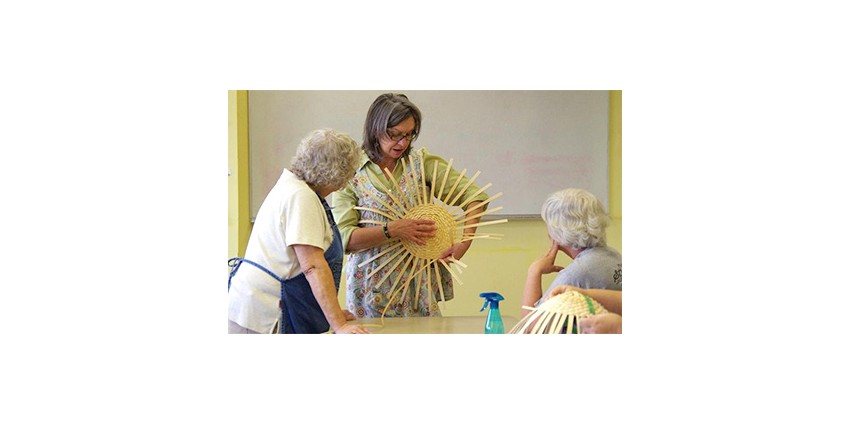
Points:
x=494 y=323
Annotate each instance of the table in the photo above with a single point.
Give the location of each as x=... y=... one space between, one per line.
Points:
x=432 y=325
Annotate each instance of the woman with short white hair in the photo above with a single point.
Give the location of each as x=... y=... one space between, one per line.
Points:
x=576 y=222
x=295 y=253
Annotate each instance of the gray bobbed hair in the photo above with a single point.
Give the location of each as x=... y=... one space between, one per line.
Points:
x=326 y=159
x=387 y=111
x=574 y=217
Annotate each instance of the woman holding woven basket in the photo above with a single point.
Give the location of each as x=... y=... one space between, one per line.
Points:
x=576 y=222
x=388 y=175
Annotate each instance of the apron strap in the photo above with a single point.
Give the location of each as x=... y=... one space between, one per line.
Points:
x=235 y=262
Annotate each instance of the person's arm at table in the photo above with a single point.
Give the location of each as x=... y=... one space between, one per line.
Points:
x=318 y=274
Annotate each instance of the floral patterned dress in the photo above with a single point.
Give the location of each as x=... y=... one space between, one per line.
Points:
x=365 y=297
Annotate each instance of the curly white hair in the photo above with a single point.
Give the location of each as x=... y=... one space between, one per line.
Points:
x=326 y=159
x=574 y=217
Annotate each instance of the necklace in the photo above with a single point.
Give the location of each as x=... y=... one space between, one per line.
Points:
x=391 y=167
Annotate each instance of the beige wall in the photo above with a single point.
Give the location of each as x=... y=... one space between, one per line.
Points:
x=498 y=266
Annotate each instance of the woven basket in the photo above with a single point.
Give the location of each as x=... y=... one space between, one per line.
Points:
x=559 y=314
x=425 y=202
x=444 y=238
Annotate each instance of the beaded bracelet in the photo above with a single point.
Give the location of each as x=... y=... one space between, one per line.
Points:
x=386 y=231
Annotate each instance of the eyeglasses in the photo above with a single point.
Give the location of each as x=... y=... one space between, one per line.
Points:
x=397 y=137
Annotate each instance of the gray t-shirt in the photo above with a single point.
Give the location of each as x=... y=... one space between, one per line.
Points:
x=598 y=268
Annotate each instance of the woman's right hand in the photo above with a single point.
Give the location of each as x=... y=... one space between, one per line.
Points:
x=411 y=230
x=546 y=263
x=606 y=323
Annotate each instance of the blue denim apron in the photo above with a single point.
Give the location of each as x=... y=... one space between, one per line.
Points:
x=300 y=312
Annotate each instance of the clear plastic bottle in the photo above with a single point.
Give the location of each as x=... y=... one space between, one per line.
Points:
x=494 y=324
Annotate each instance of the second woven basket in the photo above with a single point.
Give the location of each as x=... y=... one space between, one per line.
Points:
x=559 y=314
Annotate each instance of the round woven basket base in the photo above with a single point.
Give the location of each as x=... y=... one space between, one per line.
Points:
x=443 y=238
x=564 y=309
x=572 y=303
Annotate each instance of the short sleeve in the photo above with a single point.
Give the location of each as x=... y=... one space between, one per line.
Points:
x=304 y=220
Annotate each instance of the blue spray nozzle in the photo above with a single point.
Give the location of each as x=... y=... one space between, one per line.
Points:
x=491 y=297
x=494 y=324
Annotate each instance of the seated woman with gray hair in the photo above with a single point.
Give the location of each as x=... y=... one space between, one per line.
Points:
x=294 y=254
x=576 y=222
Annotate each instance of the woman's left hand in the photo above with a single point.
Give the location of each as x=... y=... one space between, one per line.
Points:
x=457 y=250
x=348 y=315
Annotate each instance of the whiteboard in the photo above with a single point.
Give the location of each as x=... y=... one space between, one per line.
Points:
x=528 y=144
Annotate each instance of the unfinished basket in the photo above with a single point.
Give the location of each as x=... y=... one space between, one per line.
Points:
x=424 y=205
x=443 y=238
x=559 y=314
